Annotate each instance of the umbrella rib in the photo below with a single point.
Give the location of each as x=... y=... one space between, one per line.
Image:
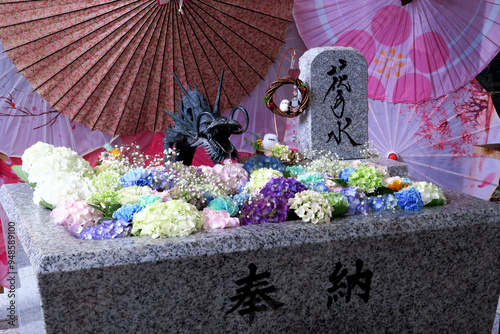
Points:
x=234 y=18
x=71 y=27
x=221 y=57
x=89 y=68
x=143 y=21
x=180 y=48
x=135 y=78
x=188 y=9
x=192 y=51
x=251 y=10
x=164 y=15
x=232 y=30
x=44 y=82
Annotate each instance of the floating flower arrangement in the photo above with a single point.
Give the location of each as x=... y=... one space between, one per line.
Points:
x=128 y=194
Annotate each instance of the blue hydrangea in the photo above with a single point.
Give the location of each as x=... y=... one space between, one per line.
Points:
x=345 y=173
x=261 y=161
x=319 y=186
x=208 y=196
x=240 y=199
x=409 y=199
x=107 y=229
x=224 y=203
x=126 y=212
x=382 y=202
x=358 y=203
x=137 y=177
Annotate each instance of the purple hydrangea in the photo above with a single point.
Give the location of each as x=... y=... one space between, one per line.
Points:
x=137 y=177
x=345 y=173
x=262 y=209
x=358 y=203
x=107 y=229
x=261 y=161
x=282 y=187
x=127 y=211
x=409 y=199
x=161 y=180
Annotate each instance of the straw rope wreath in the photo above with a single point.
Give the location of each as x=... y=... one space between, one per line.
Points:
x=271 y=90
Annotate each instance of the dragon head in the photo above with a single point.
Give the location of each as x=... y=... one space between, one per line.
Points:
x=200 y=125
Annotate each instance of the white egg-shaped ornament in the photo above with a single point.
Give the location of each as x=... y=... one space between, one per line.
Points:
x=269 y=140
x=285 y=105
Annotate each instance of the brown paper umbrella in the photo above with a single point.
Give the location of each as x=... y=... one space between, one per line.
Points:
x=108 y=64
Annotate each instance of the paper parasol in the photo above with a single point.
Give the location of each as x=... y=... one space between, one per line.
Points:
x=417 y=52
x=21 y=129
x=108 y=64
x=436 y=138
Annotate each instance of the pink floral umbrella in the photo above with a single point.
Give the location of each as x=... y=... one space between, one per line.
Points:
x=417 y=52
x=436 y=138
x=108 y=64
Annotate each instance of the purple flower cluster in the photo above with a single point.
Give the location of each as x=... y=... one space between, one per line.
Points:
x=358 y=203
x=161 y=180
x=261 y=161
x=107 y=229
x=282 y=187
x=262 y=209
x=345 y=173
x=137 y=177
x=409 y=199
x=126 y=212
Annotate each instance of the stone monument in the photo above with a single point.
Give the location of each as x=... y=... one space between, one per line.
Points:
x=337 y=116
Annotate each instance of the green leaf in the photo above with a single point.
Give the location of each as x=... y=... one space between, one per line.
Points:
x=341 y=183
x=381 y=191
x=22 y=174
x=435 y=202
x=46 y=205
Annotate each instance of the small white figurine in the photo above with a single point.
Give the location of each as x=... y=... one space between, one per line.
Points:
x=269 y=140
x=285 y=105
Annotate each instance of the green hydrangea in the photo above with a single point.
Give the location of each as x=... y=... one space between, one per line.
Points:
x=107 y=201
x=167 y=219
x=338 y=202
x=368 y=179
x=291 y=171
x=260 y=177
x=132 y=195
x=148 y=200
x=107 y=179
x=311 y=177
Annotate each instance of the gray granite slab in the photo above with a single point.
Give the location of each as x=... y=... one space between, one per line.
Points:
x=434 y=271
x=336 y=119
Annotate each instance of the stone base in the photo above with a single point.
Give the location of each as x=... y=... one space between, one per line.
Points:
x=432 y=271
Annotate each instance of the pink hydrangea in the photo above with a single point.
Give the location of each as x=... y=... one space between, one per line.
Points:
x=231 y=173
x=217 y=219
x=76 y=215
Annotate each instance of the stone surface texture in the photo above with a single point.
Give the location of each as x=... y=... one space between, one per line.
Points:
x=324 y=126
x=434 y=271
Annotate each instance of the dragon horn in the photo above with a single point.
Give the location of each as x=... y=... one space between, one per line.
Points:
x=183 y=89
x=217 y=100
x=245 y=113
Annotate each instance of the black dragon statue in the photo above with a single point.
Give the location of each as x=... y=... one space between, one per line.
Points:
x=197 y=124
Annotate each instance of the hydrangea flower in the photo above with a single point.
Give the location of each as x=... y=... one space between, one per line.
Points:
x=397 y=183
x=107 y=229
x=224 y=203
x=345 y=173
x=382 y=202
x=137 y=177
x=240 y=199
x=232 y=174
x=167 y=219
x=291 y=171
x=217 y=219
x=107 y=180
x=409 y=199
x=431 y=194
x=327 y=164
x=282 y=187
x=148 y=199
x=279 y=151
x=127 y=212
x=162 y=178
x=311 y=177
x=76 y=215
x=318 y=186
x=368 y=179
x=358 y=203
x=61 y=186
x=260 y=209
x=337 y=201
x=260 y=161
x=132 y=195
x=260 y=177
x=310 y=206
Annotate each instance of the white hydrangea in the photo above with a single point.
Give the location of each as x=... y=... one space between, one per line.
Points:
x=63 y=186
x=34 y=154
x=431 y=193
x=310 y=206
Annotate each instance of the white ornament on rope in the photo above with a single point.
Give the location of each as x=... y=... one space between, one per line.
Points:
x=180 y=6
